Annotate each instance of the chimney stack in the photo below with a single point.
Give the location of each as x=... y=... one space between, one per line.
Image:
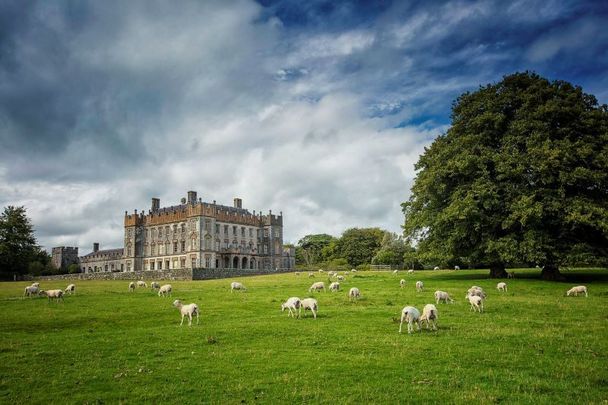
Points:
x=238 y=203
x=95 y=247
x=155 y=204
x=192 y=197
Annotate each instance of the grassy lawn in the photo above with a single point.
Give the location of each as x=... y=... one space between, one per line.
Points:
x=106 y=345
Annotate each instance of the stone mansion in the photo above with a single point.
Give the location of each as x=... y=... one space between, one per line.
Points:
x=195 y=234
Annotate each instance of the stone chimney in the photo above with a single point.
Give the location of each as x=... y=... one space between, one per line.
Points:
x=155 y=204
x=95 y=247
x=238 y=203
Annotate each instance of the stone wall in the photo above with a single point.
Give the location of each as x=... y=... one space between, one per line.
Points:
x=176 y=274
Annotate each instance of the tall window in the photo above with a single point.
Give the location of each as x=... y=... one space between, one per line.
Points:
x=234 y=230
x=174 y=247
x=183 y=246
x=242 y=231
x=217 y=228
x=183 y=228
x=250 y=233
x=265 y=233
x=160 y=232
x=225 y=230
x=151 y=265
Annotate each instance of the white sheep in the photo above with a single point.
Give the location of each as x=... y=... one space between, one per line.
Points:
x=131 y=286
x=429 y=314
x=141 y=283
x=293 y=304
x=410 y=271
x=353 y=270
x=71 y=289
x=456 y=267
x=335 y=286
x=501 y=287
x=442 y=296
x=410 y=315
x=36 y=284
x=475 y=290
x=354 y=293
x=476 y=303
x=419 y=286
x=31 y=290
x=395 y=271
x=165 y=290
x=318 y=286
x=187 y=310
x=436 y=268
x=154 y=285
x=346 y=273
x=235 y=285
x=511 y=274
x=577 y=290
x=402 y=283
x=321 y=271
x=311 y=274
x=340 y=278
x=56 y=294
x=310 y=304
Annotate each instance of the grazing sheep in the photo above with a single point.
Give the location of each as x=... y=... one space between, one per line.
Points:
x=346 y=273
x=442 y=296
x=419 y=286
x=476 y=303
x=141 y=283
x=310 y=304
x=165 y=290
x=131 y=286
x=335 y=286
x=410 y=271
x=318 y=286
x=402 y=283
x=187 y=310
x=395 y=271
x=235 y=285
x=429 y=314
x=577 y=290
x=36 y=284
x=501 y=287
x=56 y=294
x=154 y=285
x=293 y=304
x=354 y=293
x=475 y=290
x=31 y=290
x=297 y=273
x=511 y=274
x=311 y=274
x=353 y=270
x=436 y=268
x=411 y=315
x=340 y=278
x=71 y=289
x=456 y=267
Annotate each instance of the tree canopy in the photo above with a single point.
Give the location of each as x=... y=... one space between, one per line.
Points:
x=521 y=175
x=17 y=242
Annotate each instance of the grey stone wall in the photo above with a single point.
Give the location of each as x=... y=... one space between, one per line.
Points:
x=175 y=274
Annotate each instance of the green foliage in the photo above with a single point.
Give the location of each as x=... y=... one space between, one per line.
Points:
x=73 y=268
x=521 y=175
x=107 y=345
x=17 y=242
x=310 y=248
x=360 y=245
x=392 y=250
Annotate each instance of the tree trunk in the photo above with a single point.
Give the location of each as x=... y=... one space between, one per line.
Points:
x=498 y=271
x=551 y=273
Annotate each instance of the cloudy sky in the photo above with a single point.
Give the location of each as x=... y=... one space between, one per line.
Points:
x=316 y=108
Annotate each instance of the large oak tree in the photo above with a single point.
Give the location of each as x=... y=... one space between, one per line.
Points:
x=520 y=176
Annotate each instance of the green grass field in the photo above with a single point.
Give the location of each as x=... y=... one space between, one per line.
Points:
x=106 y=345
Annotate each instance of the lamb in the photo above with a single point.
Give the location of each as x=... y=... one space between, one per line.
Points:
x=187 y=310
x=321 y=271
x=346 y=273
x=340 y=278
x=402 y=283
x=354 y=293
x=318 y=286
x=141 y=283
x=501 y=287
x=311 y=304
x=154 y=285
x=36 y=284
x=456 y=267
x=475 y=290
x=353 y=270
x=429 y=314
x=311 y=274
x=577 y=290
x=395 y=271
x=57 y=294
x=442 y=296
x=293 y=304
x=419 y=286
x=411 y=315
x=165 y=290
x=131 y=286
x=476 y=303
x=31 y=290
x=235 y=285
x=410 y=271
x=335 y=286
x=436 y=268
x=71 y=289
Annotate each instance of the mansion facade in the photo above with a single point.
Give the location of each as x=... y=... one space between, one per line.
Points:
x=195 y=234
